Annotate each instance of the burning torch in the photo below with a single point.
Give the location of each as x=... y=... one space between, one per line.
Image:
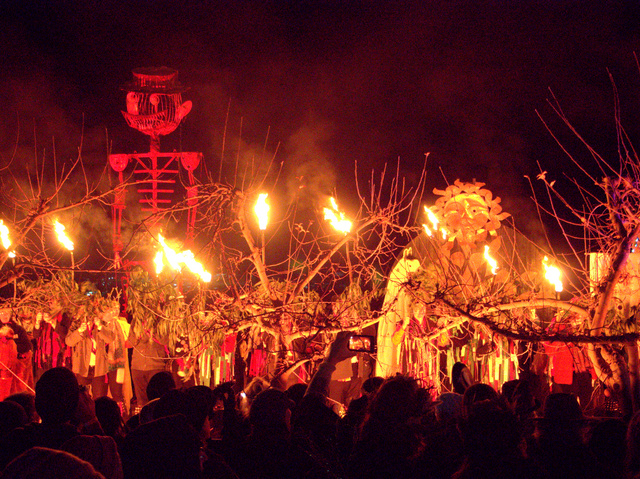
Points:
x=4 y=236
x=493 y=264
x=433 y=219
x=340 y=224
x=261 y=209
x=6 y=243
x=176 y=260
x=66 y=242
x=552 y=274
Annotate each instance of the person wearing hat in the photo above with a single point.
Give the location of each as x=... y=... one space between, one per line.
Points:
x=560 y=446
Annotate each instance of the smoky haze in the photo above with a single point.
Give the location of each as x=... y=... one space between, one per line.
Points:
x=326 y=84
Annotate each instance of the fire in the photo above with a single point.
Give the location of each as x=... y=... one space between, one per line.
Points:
x=434 y=222
x=4 y=237
x=261 y=210
x=158 y=262
x=172 y=257
x=552 y=274
x=432 y=217
x=62 y=236
x=336 y=218
x=176 y=260
x=492 y=262
x=196 y=268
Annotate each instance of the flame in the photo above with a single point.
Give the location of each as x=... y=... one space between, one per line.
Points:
x=492 y=262
x=4 y=237
x=336 y=218
x=552 y=274
x=196 y=268
x=158 y=262
x=176 y=260
x=62 y=236
x=434 y=222
x=432 y=217
x=261 y=210
x=172 y=257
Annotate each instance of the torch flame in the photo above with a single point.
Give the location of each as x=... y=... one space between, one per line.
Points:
x=175 y=260
x=261 y=210
x=172 y=257
x=492 y=262
x=4 y=237
x=62 y=236
x=434 y=222
x=432 y=217
x=552 y=274
x=158 y=262
x=196 y=268
x=336 y=218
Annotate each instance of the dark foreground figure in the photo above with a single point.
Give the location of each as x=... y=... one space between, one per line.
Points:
x=393 y=430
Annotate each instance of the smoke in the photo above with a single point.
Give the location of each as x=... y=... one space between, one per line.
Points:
x=310 y=173
x=331 y=84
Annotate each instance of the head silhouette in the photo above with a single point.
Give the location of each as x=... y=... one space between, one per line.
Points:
x=57 y=395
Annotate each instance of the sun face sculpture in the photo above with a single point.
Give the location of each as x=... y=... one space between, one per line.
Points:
x=468 y=212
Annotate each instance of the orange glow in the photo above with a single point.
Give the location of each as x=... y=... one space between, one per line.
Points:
x=261 y=210
x=336 y=218
x=4 y=237
x=176 y=260
x=62 y=236
x=492 y=262
x=552 y=274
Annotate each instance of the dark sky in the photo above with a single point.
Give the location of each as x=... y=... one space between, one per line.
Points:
x=330 y=82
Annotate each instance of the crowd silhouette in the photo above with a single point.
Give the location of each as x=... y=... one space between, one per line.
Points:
x=395 y=429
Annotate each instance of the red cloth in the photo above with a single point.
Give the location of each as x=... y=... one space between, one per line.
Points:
x=8 y=360
x=561 y=362
x=258 y=362
x=229 y=344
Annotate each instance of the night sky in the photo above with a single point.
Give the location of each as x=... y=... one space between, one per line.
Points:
x=327 y=83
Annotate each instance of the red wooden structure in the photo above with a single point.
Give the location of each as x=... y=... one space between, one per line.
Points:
x=155 y=108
